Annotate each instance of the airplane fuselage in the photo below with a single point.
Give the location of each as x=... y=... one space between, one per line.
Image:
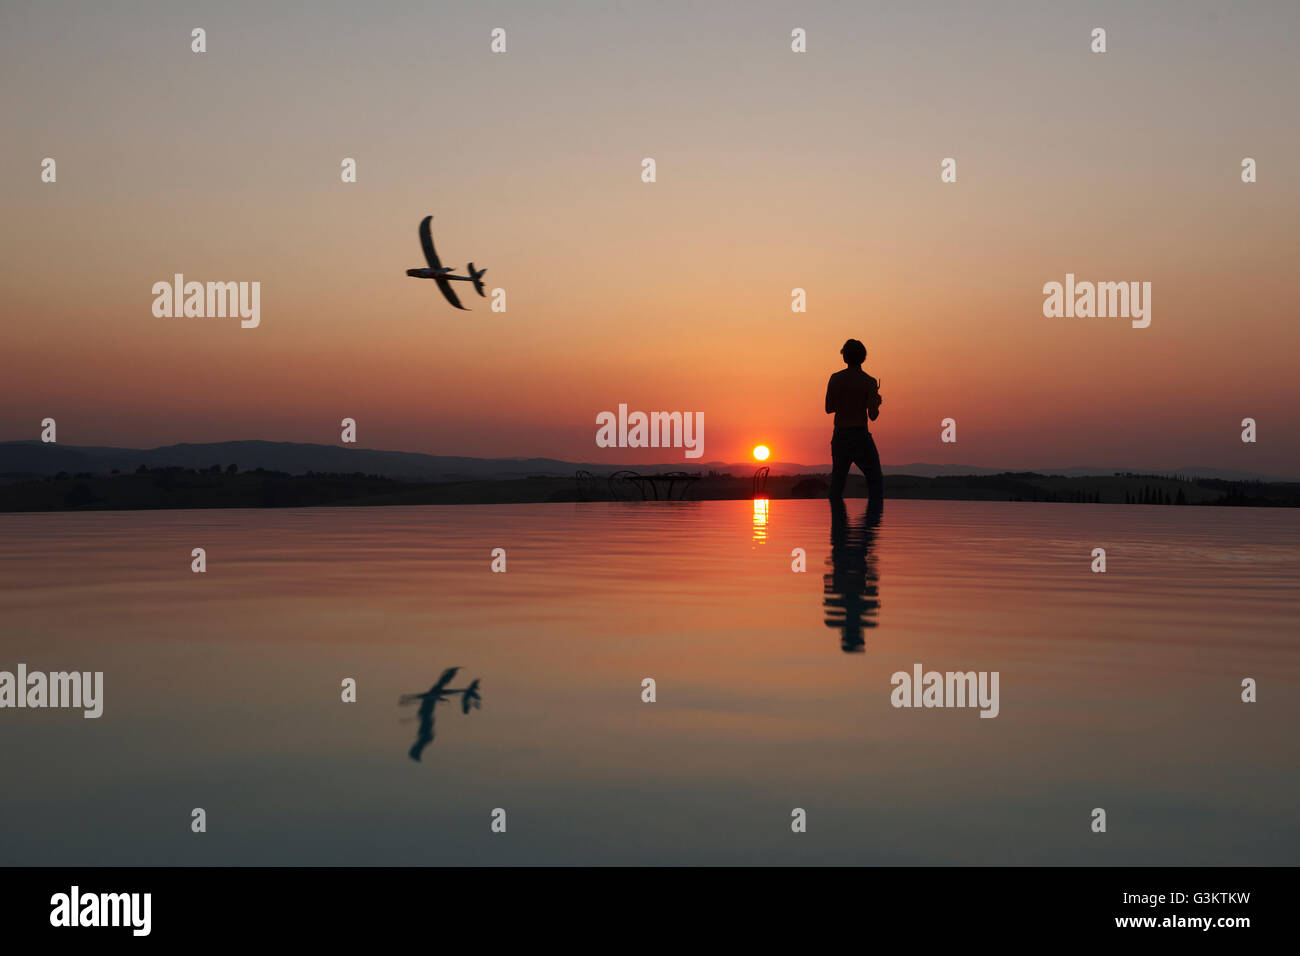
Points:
x=436 y=274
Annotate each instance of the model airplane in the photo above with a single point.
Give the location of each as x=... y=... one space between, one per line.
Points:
x=443 y=274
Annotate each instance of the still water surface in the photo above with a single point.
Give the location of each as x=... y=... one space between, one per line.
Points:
x=222 y=690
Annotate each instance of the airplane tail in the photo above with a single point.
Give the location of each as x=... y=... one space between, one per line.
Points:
x=477 y=276
x=470 y=698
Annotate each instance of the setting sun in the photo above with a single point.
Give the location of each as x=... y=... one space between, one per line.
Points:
x=761 y=452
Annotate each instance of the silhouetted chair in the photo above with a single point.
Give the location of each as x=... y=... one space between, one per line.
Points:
x=588 y=486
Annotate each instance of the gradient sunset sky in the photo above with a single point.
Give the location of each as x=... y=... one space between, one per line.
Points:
x=775 y=171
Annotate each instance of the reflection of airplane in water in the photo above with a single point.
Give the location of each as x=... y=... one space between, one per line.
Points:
x=850 y=593
x=430 y=699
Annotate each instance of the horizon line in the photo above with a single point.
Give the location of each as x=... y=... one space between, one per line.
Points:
x=1189 y=470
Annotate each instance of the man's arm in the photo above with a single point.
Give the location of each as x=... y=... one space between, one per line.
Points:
x=873 y=400
x=830 y=395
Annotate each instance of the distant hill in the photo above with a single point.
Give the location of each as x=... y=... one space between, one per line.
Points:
x=34 y=458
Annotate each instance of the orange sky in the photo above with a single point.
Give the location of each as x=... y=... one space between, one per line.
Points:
x=775 y=170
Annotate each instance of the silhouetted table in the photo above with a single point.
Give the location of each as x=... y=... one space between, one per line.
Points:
x=664 y=481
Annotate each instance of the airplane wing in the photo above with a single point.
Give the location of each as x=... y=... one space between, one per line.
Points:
x=447 y=290
x=426 y=241
x=446 y=677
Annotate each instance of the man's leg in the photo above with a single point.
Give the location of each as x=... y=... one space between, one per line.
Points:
x=868 y=459
x=841 y=462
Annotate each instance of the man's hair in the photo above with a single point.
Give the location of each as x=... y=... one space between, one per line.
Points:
x=854 y=352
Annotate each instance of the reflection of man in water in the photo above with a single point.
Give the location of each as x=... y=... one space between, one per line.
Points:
x=854 y=396
x=850 y=594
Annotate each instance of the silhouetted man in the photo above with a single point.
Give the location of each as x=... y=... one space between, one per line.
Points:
x=854 y=396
